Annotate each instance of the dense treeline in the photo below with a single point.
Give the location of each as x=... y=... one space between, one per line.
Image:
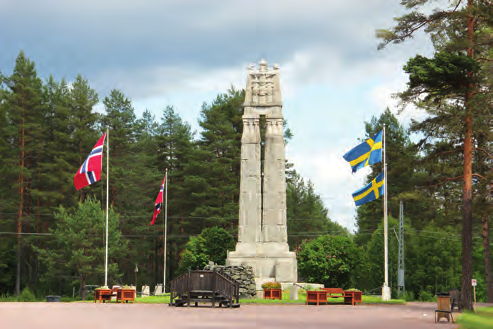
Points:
x=47 y=129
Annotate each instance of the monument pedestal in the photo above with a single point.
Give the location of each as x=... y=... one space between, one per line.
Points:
x=270 y=261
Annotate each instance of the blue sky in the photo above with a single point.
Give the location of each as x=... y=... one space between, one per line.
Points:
x=185 y=52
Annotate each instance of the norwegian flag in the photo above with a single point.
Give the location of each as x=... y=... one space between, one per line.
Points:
x=90 y=171
x=159 y=202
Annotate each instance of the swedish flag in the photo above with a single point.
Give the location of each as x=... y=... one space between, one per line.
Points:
x=370 y=192
x=366 y=153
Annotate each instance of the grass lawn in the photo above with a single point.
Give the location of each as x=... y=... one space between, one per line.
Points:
x=285 y=300
x=483 y=319
x=302 y=300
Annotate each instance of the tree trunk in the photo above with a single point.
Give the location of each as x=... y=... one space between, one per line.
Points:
x=36 y=262
x=19 y=218
x=466 y=294
x=83 y=287
x=487 y=260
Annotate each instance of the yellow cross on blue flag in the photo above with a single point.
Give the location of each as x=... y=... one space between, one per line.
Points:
x=366 y=153
x=370 y=192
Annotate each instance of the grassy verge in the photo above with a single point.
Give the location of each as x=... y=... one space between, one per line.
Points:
x=482 y=320
x=165 y=300
x=153 y=300
x=302 y=300
x=285 y=300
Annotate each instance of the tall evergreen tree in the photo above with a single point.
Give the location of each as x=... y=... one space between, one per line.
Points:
x=306 y=214
x=83 y=122
x=216 y=163
x=400 y=175
x=24 y=105
x=455 y=27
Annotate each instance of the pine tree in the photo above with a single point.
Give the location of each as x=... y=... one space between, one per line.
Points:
x=216 y=163
x=400 y=175
x=175 y=147
x=83 y=122
x=79 y=245
x=24 y=106
x=306 y=214
x=460 y=34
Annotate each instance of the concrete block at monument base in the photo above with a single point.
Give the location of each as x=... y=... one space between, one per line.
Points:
x=286 y=270
x=243 y=250
x=275 y=250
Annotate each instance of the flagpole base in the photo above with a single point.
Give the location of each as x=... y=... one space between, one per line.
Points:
x=386 y=293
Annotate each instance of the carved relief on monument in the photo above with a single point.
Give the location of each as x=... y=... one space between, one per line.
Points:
x=262 y=86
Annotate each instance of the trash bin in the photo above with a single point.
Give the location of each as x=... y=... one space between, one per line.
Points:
x=53 y=298
x=443 y=304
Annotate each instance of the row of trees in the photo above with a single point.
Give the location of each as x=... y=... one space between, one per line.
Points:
x=47 y=129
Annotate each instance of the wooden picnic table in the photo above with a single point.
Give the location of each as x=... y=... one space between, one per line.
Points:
x=334 y=292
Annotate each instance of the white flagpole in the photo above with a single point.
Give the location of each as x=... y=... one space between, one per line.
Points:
x=386 y=289
x=107 y=200
x=165 y=229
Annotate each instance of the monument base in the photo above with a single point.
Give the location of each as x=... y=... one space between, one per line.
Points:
x=270 y=261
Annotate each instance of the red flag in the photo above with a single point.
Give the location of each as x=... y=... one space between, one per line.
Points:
x=90 y=171
x=159 y=202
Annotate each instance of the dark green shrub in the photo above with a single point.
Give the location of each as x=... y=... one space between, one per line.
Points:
x=27 y=295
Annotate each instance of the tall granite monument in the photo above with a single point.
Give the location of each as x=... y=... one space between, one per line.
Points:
x=262 y=234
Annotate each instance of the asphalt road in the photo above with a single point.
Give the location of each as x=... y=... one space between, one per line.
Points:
x=148 y=316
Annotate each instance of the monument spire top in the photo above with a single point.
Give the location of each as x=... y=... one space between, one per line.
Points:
x=262 y=65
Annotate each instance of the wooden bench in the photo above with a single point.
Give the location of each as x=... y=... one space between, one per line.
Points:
x=334 y=292
x=316 y=296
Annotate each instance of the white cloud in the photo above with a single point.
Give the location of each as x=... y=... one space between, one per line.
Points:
x=326 y=99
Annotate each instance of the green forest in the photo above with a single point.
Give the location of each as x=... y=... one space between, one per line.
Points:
x=52 y=236
x=48 y=129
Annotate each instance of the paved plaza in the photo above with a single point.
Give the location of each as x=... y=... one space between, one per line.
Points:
x=147 y=316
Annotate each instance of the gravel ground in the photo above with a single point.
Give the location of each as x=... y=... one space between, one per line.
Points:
x=147 y=316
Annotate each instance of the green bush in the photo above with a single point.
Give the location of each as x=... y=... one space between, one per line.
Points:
x=425 y=296
x=329 y=260
x=212 y=244
x=7 y=298
x=27 y=296
x=408 y=296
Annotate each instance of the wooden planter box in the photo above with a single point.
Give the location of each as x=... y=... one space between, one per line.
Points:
x=353 y=297
x=125 y=295
x=316 y=296
x=102 y=295
x=272 y=293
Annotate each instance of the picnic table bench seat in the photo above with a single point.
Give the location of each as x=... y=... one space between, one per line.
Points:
x=334 y=292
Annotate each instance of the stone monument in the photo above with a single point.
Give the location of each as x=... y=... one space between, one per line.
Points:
x=262 y=231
